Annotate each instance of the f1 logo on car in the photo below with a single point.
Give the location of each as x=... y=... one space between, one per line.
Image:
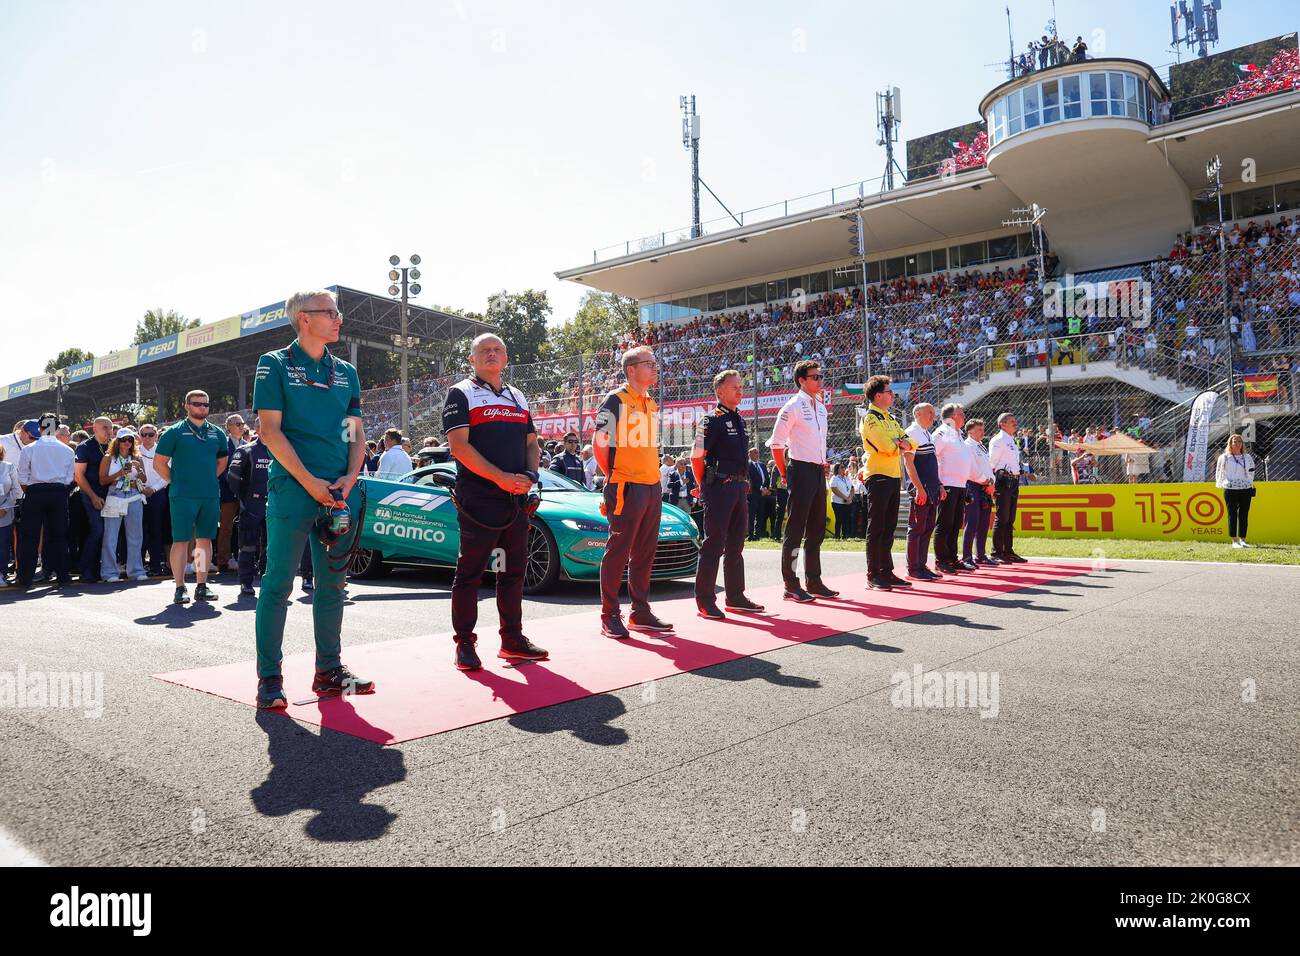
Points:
x=415 y=499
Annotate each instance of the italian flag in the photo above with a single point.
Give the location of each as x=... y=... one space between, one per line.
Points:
x=1246 y=68
x=957 y=144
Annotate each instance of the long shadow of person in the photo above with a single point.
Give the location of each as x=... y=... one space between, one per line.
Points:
x=585 y=715
x=329 y=774
x=685 y=654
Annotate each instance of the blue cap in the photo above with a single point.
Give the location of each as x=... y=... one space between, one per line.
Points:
x=32 y=427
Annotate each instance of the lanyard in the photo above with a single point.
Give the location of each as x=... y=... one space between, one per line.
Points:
x=506 y=391
x=326 y=362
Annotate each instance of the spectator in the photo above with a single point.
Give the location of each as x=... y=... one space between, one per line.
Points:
x=89 y=454
x=8 y=503
x=759 y=492
x=155 y=504
x=1234 y=474
x=226 y=542
x=394 y=462
x=568 y=463
x=45 y=470
x=589 y=467
x=122 y=474
x=841 y=490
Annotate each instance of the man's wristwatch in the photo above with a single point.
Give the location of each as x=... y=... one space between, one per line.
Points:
x=533 y=475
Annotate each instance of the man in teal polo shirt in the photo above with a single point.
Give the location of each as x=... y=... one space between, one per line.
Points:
x=192 y=455
x=309 y=410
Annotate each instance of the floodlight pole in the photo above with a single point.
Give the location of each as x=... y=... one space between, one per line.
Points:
x=404 y=406
x=1033 y=216
x=1214 y=174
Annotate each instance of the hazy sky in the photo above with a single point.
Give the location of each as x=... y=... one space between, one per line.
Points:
x=214 y=157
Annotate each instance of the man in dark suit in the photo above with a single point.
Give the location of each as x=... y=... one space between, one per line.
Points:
x=758 y=493
x=777 y=499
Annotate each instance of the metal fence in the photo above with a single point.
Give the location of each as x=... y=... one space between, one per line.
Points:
x=1088 y=359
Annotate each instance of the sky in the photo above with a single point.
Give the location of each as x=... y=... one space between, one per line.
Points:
x=213 y=158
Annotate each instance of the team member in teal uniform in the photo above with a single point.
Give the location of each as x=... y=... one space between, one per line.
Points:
x=309 y=411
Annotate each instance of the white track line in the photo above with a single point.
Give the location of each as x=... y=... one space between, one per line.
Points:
x=12 y=854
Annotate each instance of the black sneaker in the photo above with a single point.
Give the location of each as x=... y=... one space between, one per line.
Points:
x=246 y=590
x=270 y=692
x=339 y=680
x=647 y=624
x=182 y=596
x=817 y=589
x=951 y=569
x=614 y=627
x=969 y=565
x=988 y=562
x=895 y=580
x=308 y=584
x=467 y=656
x=798 y=595
x=204 y=593
x=924 y=574
x=743 y=604
x=1014 y=558
x=879 y=583
x=710 y=612
x=521 y=649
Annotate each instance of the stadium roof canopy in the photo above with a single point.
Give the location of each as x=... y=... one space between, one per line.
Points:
x=1118 y=188
x=222 y=354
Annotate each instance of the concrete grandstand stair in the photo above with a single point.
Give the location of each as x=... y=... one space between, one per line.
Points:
x=1069 y=374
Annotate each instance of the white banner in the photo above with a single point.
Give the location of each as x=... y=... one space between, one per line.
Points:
x=1198 y=436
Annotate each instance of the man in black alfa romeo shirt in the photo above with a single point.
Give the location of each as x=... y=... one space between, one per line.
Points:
x=492 y=438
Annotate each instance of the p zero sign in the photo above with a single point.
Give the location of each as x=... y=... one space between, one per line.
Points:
x=158 y=349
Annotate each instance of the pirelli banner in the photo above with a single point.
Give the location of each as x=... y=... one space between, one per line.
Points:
x=1156 y=512
x=211 y=334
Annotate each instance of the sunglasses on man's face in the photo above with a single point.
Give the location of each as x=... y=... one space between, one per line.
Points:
x=199 y=404
x=147 y=434
x=815 y=378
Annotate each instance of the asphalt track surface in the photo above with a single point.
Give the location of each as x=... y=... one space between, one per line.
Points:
x=1147 y=714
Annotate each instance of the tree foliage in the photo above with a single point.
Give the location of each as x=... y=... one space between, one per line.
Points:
x=158 y=324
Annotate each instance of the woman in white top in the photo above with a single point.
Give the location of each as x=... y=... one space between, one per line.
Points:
x=842 y=503
x=122 y=472
x=1235 y=474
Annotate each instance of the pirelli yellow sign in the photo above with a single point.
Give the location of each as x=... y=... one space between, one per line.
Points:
x=1156 y=512
x=210 y=334
x=116 y=361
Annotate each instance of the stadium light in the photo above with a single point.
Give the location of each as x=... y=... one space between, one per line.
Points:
x=403 y=287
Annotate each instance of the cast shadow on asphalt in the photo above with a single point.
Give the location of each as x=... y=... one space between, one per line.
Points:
x=175 y=616
x=295 y=782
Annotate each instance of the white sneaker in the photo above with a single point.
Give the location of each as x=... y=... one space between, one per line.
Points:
x=141 y=577
x=1244 y=544
x=1236 y=544
x=115 y=579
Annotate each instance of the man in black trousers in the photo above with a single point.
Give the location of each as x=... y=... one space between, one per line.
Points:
x=718 y=461
x=798 y=445
x=1004 y=457
x=758 y=493
x=45 y=471
x=954 y=469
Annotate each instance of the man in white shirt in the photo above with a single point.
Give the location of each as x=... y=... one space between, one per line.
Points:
x=1004 y=459
x=954 y=467
x=926 y=499
x=45 y=472
x=589 y=466
x=394 y=462
x=979 y=503
x=798 y=446
x=155 y=504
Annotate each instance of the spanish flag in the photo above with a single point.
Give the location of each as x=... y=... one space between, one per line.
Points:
x=1260 y=388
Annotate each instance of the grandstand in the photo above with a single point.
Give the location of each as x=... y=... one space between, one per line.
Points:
x=953 y=305
x=219 y=355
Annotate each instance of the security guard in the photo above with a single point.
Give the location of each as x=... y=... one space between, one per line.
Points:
x=247 y=478
x=568 y=463
x=309 y=408
x=719 y=463
x=888 y=450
